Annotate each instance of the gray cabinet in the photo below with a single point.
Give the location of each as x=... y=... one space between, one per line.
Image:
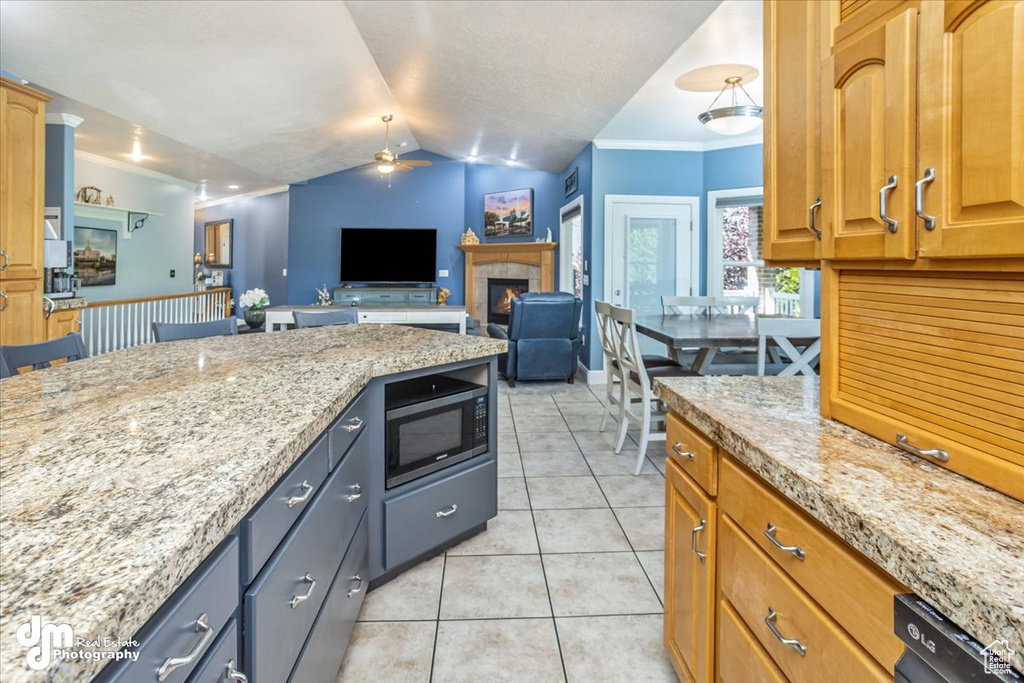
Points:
x=429 y=516
x=175 y=640
x=222 y=663
x=347 y=428
x=264 y=527
x=385 y=296
x=325 y=650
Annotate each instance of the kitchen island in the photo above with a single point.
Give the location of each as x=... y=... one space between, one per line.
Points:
x=122 y=473
x=786 y=484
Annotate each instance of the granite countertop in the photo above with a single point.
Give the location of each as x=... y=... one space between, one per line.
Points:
x=956 y=543
x=121 y=472
x=69 y=304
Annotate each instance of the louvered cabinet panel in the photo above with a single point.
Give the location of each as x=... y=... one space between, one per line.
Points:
x=938 y=358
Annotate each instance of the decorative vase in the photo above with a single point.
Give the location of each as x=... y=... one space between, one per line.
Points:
x=255 y=317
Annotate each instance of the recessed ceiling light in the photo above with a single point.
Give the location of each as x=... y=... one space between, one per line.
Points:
x=471 y=158
x=511 y=162
x=136 y=150
x=403 y=144
x=232 y=187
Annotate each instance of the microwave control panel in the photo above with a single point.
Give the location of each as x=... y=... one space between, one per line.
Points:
x=480 y=418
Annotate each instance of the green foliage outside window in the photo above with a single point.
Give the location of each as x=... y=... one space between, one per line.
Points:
x=787 y=281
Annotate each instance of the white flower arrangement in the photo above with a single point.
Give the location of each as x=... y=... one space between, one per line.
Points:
x=254 y=299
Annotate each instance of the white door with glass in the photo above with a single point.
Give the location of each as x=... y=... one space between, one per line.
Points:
x=570 y=236
x=651 y=250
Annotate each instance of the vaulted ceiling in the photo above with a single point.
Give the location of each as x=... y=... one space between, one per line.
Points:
x=263 y=93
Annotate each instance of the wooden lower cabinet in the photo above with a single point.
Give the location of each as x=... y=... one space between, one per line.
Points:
x=61 y=323
x=690 y=526
x=21 y=312
x=733 y=597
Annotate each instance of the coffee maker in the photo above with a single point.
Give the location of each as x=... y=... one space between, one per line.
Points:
x=57 y=261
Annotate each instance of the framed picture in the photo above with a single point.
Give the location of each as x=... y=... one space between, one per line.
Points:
x=95 y=256
x=508 y=213
x=572 y=183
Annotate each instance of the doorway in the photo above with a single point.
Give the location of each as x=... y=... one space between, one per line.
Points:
x=570 y=237
x=652 y=249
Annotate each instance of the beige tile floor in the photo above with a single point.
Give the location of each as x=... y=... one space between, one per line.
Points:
x=565 y=584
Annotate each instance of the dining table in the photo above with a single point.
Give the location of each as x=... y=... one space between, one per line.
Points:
x=705 y=333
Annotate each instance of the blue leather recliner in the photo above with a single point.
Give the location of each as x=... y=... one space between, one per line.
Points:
x=543 y=337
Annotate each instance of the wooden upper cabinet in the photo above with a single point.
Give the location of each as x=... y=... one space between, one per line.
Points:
x=796 y=39
x=971 y=130
x=22 y=152
x=869 y=143
x=690 y=527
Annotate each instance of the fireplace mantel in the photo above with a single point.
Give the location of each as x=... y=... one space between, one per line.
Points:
x=538 y=255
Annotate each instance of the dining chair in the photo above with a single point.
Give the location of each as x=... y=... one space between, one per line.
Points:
x=635 y=383
x=783 y=331
x=735 y=304
x=687 y=305
x=305 y=319
x=40 y=355
x=165 y=332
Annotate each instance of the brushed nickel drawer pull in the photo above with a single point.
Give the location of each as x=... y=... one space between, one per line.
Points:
x=929 y=220
x=302 y=598
x=307 y=492
x=883 y=210
x=358 y=493
x=7 y=261
x=3 y=306
x=794 y=550
x=233 y=674
x=677 y=448
x=449 y=512
x=354 y=425
x=792 y=642
x=693 y=540
x=810 y=217
x=358 y=588
x=936 y=453
x=172 y=663
x=48 y=306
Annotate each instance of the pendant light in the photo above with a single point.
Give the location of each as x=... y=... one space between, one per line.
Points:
x=736 y=118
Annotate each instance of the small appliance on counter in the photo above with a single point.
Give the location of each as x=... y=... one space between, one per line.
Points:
x=938 y=651
x=58 y=280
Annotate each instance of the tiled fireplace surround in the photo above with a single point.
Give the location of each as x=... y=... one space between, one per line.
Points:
x=518 y=271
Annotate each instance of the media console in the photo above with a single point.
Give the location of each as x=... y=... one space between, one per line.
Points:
x=451 y=318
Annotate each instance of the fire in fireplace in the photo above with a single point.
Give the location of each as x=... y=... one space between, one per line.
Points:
x=500 y=293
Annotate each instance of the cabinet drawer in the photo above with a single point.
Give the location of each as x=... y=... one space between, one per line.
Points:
x=325 y=649
x=353 y=422
x=429 y=516
x=383 y=316
x=211 y=591
x=741 y=658
x=754 y=585
x=222 y=655
x=700 y=461
x=421 y=298
x=264 y=527
x=863 y=606
x=277 y=618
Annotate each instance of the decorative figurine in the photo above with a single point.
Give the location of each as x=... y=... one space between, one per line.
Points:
x=549 y=236
x=110 y=200
x=442 y=296
x=323 y=297
x=469 y=237
x=89 y=195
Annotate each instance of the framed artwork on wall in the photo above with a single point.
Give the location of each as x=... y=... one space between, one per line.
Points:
x=572 y=183
x=96 y=256
x=509 y=213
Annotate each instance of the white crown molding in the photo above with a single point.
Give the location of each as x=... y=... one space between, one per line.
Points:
x=664 y=146
x=133 y=168
x=64 y=120
x=245 y=195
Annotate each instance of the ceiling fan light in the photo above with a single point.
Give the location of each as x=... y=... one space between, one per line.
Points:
x=384 y=169
x=732 y=120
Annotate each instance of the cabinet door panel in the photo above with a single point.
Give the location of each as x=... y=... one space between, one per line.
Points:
x=792 y=115
x=22 y=133
x=972 y=128
x=868 y=124
x=689 y=582
x=21 y=320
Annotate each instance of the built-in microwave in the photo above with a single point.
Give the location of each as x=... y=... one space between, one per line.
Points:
x=432 y=422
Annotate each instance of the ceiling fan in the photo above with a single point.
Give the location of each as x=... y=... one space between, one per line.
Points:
x=388 y=161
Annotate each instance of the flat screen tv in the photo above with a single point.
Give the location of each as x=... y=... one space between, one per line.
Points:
x=388 y=255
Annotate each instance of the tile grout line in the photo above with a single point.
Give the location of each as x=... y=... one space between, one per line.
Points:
x=540 y=554
x=437 y=622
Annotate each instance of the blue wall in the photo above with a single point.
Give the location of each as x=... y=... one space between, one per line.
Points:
x=448 y=197
x=60 y=174
x=259 y=242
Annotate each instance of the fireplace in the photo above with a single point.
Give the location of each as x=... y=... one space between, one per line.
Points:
x=500 y=292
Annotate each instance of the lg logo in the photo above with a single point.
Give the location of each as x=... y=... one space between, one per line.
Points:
x=916 y=634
